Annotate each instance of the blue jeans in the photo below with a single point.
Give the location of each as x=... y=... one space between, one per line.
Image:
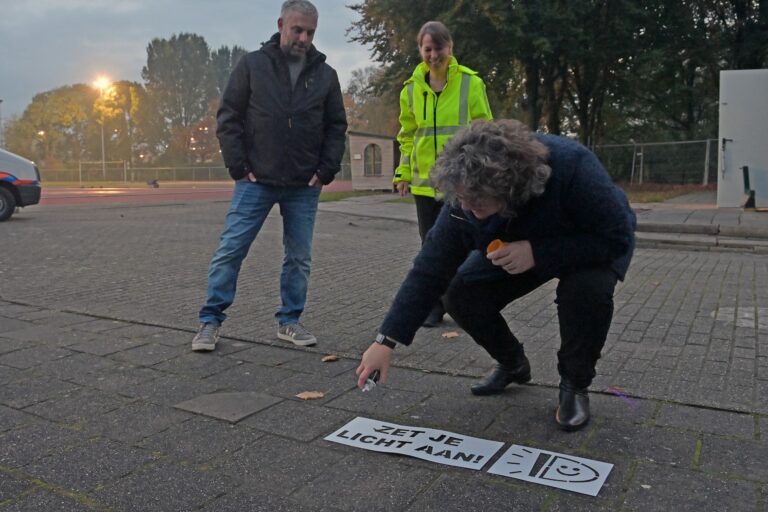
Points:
x=251 y=203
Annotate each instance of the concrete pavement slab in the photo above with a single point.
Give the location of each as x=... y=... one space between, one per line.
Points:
x=298 y=420
x=232 y=406
x=135 y=421
x=24 y=445
x=44 y=499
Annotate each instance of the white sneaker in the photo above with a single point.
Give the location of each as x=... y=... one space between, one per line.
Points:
x=296 y=334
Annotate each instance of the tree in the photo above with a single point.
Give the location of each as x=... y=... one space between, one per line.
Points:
x=368 y=111
x=179 y=80
x=223 y=61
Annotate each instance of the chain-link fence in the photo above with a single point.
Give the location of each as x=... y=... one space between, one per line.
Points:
x=678 y=163
x=98 y=172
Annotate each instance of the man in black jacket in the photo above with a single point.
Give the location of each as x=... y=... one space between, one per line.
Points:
x=281 y=127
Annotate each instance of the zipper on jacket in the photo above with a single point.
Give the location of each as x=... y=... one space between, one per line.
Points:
x=434 y=123
x=425 y=105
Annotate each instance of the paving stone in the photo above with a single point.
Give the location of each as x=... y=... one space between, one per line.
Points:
x=8 y=374
x=229 y=406
x=197 y=364
x=534 y=426
x=22 y=393
x=134 y=422
x=624 y=408
x=69 y=368
x=707 y=420
x=200 y=439
x=36 y=334
x=300 y=382
x=148 y=355
x=10 y=486
x=366 y=481
x=47 y=500
x=11 y=324
x=477 y=491
x=89 y=465
x=381 y=400
x=12 y=418
x=168 y=389
x=103 y=345
x=268 y=355
x=745 y=459
x=653 y=444
x=77 y=406
x=24 y=445
x=279 y=465
x=264 y=501
x=117 y=379
x=164 y=486
x=302 y=421
x=466 y=414
x=660 y=487
x=248 y=377
x=311 y=363
x=58 y=318
x=29 y=357
x=99 y=325
x=8 y=345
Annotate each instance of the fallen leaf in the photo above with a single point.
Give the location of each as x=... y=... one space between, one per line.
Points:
x=310 y=395
x=644 y=486
x=450 y=334
x=330 y=359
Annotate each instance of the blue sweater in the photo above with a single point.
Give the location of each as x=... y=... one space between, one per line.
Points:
x=581 y=220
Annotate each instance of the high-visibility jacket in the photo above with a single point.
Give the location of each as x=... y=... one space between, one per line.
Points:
x=429 y=120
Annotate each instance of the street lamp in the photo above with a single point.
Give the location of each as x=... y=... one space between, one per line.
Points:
x=102 y=83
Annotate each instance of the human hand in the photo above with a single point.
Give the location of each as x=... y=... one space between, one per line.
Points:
x=402 y=188
x=514 y=257
x=315 y=182
x=377 y=357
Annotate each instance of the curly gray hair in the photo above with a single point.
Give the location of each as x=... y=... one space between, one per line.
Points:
x=499 y=160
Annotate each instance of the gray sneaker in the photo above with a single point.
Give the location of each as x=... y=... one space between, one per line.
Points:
x=296 y=334
x=206 y=338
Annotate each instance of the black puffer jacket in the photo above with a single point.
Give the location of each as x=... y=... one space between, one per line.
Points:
x=282 y=136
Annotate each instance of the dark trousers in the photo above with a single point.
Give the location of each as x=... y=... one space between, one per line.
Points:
x=584 y=308
x=427 y=210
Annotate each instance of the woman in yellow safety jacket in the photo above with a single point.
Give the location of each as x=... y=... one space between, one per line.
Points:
x=439 y=99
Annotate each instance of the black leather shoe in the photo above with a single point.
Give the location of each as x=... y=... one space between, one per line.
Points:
x=501 y=377
x=573 y=411
x=435 y=317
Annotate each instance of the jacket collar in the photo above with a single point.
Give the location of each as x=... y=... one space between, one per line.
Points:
x=272 y=48
x=420 y=73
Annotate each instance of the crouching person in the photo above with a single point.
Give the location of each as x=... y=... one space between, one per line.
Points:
x=561 y=217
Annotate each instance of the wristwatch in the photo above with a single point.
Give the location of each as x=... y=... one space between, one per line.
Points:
x=384 y=340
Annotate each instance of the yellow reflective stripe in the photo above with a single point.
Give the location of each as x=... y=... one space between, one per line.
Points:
x=464 y=100
x=429 y=131
x=410 y=96
x=418 y=181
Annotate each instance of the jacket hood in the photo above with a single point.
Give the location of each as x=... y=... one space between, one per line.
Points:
x=272 y=48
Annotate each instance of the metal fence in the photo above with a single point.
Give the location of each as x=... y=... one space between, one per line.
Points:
x=112 y=172
x=679 y=163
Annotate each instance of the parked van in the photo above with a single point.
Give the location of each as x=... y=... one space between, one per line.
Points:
x=19 y=183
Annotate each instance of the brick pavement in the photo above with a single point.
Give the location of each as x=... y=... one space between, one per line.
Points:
x=94 y=357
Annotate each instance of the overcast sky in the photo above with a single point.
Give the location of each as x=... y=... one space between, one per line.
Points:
x=45 y=44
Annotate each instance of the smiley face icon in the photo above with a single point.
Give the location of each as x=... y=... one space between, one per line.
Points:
x=563 y=469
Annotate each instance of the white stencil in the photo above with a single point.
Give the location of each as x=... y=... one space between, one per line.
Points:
x=567 y=472
x=429 y=444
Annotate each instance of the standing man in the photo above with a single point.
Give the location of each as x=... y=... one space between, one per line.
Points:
x=553 y=204
x=281 y=127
